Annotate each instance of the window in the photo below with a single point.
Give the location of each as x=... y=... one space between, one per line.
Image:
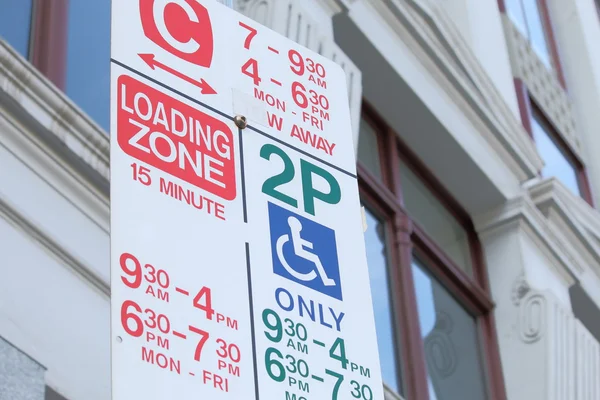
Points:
x=526 y=15
x=375 y=241
x=435 y=332
x=368 y=149
x=556 y=162
x=454 y=368
x=88 y=58
x=532 y=18
x=69 y=44
x=15 y=24
x=559 y=160
x=434 y=217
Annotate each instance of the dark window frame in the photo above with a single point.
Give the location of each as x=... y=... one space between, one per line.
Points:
x=386 y=179
x=406 y=239
x=384 y=214
x=529 y=110
x=48 y=39
x=550 y=37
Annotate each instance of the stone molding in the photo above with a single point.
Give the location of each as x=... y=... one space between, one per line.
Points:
x=551 y=192
x=576 y=224
x=331 y=6
x=53 y=137
x=551 y=340
x=532 y=318
x=54 y=110
x=62 y=170
x=564 y=224
x=522 y=211
x=42 y=128
x=546 y=352
x=20 y=221
x=436 y=34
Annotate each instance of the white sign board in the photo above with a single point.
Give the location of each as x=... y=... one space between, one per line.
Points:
x=238 y=259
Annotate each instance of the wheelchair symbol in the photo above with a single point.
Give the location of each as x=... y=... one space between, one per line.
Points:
x=300 y=246
x=304 y=251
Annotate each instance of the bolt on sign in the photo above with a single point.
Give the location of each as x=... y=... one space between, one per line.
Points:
x=237 y=256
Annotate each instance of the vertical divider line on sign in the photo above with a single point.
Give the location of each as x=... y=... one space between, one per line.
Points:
x=252 y=332
x=242 y=171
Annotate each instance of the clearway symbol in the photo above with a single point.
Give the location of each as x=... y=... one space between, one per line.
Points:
x=304 y=251
x=205 y=88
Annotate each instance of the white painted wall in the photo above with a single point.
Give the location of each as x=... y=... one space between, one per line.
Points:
x=54 y=263
x=541 y=270
x=54 y=316
x=529 y=296
x=577 y=31
x=480 y=23
x=505 y=263
x=20 y=185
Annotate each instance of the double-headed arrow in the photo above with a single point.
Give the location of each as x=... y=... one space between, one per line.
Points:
x=205 y=88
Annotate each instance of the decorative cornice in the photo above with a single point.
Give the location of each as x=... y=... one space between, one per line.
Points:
x=551 y=190
x=51 y=108
x=19 y=221
x=541 y=332
x=331 y=6
x=46 y=130
x=520 y=289
x=437 y=35
x=523 y=213
x=37 y=148
x=533 y=317
x=562 y=210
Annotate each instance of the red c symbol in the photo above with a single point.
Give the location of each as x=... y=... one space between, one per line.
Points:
x=181 y=27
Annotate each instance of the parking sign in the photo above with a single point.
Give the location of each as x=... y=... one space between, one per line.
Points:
x=238 y=268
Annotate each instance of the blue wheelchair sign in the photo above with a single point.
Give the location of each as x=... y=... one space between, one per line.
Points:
x=304 y=251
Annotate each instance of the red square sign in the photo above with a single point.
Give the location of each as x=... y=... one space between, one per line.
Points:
x=175 y=138
x=181 y=27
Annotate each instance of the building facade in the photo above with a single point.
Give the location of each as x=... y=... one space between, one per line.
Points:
x=476 y=132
